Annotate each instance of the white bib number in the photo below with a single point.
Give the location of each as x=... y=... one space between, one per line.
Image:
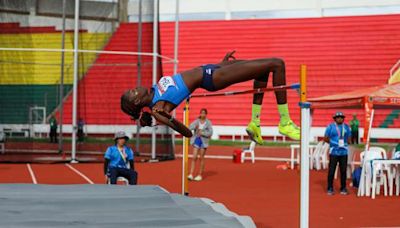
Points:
x=164 y=83
x=341 y=142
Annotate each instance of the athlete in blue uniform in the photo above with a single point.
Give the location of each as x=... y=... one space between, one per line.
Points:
x=169 y=92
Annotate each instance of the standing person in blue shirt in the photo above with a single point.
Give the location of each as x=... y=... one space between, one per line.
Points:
x=338 y=135
x=118 y=160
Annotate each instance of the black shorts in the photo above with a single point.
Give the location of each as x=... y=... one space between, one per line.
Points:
x=208 y=71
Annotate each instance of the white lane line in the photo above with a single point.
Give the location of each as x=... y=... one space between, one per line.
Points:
x=31 y=173
x=80 y=174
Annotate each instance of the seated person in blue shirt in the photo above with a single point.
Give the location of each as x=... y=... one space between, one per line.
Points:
x=118 y=160
x=338 y=135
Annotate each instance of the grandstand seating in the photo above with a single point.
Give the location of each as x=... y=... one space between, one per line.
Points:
x=342 y=54
x=100 y=90
x=32 y=78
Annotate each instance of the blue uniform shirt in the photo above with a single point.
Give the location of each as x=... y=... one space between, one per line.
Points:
x=335 y=132
x=115 y=157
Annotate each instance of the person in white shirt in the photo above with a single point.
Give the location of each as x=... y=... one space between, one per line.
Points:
x=202 y=128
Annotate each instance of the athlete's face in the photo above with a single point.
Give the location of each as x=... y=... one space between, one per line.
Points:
x=138 y=95
x=132 y=101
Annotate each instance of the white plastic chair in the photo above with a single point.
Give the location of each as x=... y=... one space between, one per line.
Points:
x=394 y=174
x=366 y=157
x=383 y=168
x=320 y=155
x=2 y=148
x=120 y=179
x=397 y=180
x=2 y=145
x=295 y=152
x=250 y=151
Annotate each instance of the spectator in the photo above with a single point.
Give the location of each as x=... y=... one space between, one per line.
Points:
x=118 y=161
x=338 y=134
x=81 y=134
x=202 y=128
x=397 y=147
x=354 y=124
x=53 y=129
x=396 y=152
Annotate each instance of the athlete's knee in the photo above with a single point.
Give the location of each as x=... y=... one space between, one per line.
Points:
x=272 y=62
x=278 y=62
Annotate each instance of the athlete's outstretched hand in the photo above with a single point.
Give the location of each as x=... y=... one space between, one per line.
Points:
x=229 y=56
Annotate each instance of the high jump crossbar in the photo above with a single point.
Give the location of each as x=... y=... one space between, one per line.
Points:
x=304 y=143
x=295 y=86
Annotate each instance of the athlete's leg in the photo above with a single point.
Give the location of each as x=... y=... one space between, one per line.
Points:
x=253 y=128
x=259 y=70
x=243 y=71
x=286 y=125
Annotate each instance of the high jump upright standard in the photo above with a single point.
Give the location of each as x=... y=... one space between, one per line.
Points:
x=304 y=143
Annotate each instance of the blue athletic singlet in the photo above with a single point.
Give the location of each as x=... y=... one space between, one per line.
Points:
x=171 y=89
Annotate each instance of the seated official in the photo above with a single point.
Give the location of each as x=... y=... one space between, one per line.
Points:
x=118 y=160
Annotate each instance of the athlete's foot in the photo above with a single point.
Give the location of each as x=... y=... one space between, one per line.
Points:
x=254 y=133
x=290 y=129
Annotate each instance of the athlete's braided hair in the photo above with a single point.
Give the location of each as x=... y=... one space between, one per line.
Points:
x=128 y=107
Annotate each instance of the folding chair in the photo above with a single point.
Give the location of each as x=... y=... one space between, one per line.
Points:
x=366 y=158
x=119 y=179
x=319 y=156
x=2 y=144
x=250 y=151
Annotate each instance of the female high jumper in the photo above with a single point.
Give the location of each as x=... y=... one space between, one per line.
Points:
x=170 y=91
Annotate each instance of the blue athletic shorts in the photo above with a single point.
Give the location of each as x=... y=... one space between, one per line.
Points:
x=208 y=71
x=198 y=143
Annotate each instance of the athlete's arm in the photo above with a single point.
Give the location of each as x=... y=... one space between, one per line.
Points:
x=165 y=118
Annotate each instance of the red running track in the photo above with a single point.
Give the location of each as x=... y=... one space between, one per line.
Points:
x=268 y=195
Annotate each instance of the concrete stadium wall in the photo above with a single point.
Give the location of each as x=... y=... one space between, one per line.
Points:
x=213 y=10
x=239 y=9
